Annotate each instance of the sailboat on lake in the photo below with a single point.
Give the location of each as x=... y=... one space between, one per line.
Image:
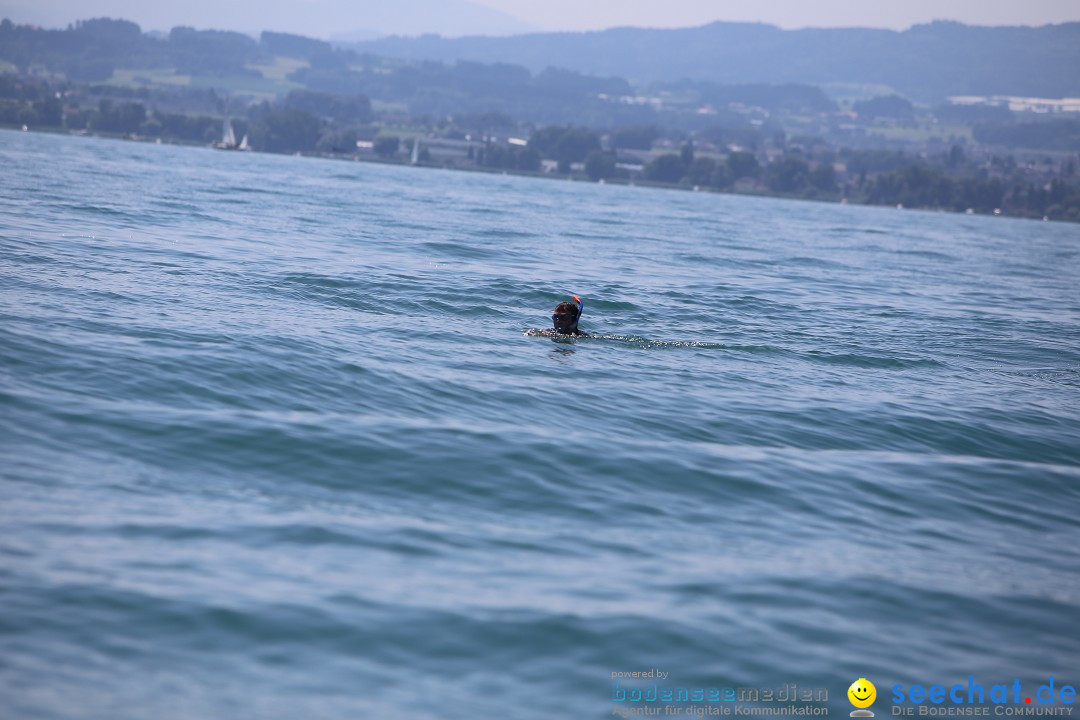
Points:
x=228 y=139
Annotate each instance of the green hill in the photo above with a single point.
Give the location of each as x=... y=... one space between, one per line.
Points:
x=926 y=63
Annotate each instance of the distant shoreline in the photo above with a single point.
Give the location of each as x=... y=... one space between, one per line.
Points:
x=520 y=173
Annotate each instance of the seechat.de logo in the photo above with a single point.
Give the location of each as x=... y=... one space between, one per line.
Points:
x=862 y=694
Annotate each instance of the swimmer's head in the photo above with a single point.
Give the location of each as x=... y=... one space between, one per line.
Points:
x=566 y=315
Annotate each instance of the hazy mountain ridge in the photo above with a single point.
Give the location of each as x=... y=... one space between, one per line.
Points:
x=325 y=19
x=926 y=62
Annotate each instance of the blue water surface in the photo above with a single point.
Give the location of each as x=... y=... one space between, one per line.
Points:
x=274 y=443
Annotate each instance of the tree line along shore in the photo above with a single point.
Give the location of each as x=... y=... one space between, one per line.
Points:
x=784 y=140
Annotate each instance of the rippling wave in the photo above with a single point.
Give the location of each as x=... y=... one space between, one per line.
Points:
x=276 y=443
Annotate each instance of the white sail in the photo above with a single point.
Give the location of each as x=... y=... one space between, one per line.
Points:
x=415 y=151
x=229 y=138
x=244 y=143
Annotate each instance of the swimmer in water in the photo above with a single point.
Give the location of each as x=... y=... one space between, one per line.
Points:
x=565 y=320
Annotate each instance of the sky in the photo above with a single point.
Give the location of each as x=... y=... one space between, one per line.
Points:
x=361 y=19
x=895 y=14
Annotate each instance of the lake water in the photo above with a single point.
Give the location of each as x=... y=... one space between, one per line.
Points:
x=273 y=443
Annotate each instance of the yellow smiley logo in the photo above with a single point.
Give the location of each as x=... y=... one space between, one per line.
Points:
x=862 y=693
